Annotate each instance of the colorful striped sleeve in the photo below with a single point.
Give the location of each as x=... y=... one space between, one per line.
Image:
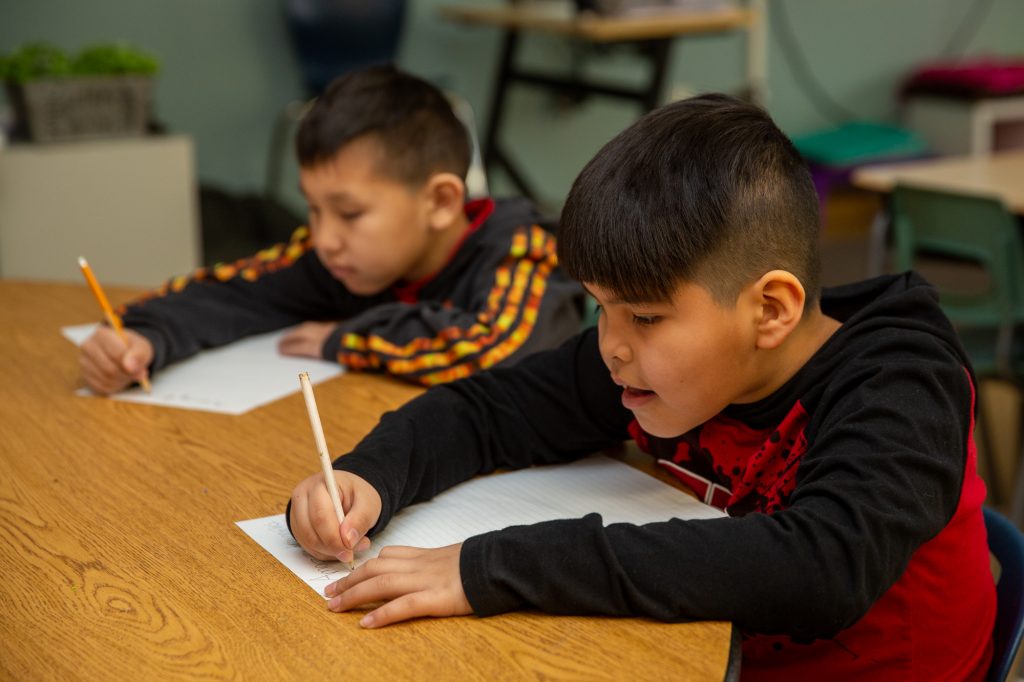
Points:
x=249 y=269
x=451 y=343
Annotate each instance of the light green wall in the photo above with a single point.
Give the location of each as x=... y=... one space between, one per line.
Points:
x=228 y=69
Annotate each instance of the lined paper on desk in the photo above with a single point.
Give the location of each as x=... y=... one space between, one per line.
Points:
x=616 y=491
x=232 y=379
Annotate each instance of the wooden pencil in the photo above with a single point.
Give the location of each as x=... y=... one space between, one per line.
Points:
x=321 y=447
x=112 y=318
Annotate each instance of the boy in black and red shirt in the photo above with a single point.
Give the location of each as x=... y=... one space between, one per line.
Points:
x=395 y=273
x=835 y=427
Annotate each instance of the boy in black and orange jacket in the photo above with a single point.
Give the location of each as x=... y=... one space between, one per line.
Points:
x=395 y=273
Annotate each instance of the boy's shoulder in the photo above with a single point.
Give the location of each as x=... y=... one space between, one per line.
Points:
x=903 y=302
x=888 y=322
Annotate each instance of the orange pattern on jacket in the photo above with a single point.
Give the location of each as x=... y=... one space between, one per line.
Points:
x=455 y=352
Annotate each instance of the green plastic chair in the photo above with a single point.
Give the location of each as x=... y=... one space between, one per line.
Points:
x=969 y=229
x=977 y=230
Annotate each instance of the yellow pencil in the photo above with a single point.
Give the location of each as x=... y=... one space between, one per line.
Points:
x=321 y=447
x=112 y=319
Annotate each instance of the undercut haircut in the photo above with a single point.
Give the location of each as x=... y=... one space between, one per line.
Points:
x=409 y=119
x=705 y=190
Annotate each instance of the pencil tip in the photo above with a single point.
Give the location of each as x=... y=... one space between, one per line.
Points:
x=81 y=262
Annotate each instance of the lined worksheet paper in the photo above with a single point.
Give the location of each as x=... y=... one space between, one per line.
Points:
x=232 y=379
x=620 y=493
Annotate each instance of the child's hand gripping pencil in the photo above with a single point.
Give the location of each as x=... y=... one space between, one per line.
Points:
x=321 y=446
x=112 y=318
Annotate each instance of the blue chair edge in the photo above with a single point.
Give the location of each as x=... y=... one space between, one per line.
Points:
x=1007 y=544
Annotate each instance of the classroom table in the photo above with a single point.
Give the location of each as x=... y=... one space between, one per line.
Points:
x=650 y=34
x=998 y=174
x=120 y=558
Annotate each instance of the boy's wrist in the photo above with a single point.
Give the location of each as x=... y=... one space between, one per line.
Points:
x=332 y=345
x=156 y=340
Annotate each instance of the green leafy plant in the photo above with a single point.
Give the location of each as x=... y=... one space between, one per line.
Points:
x=114 y=59
x=39 y=60
x=33 y=61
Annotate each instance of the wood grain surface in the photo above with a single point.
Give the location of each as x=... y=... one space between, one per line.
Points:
x=120 y=559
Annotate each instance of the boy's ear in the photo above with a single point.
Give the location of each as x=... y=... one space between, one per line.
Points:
x=445 y=195
x=779 y=299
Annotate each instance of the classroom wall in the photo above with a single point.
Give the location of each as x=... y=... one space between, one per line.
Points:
x=228 y=69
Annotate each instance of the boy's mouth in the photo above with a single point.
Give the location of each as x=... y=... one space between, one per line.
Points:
x=633 y=397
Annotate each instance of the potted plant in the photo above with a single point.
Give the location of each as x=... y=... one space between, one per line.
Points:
x=103 y=91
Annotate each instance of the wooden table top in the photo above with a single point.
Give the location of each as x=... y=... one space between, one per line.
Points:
x=558 y=18
x=120 y=558
x=999 y=174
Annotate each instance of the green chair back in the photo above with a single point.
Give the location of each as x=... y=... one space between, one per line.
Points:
x=975 y=229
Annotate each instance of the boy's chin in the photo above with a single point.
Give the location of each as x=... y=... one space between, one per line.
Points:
x=363 y=288
x=659 y=428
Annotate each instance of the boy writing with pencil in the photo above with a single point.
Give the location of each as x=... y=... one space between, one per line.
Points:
x=835 y=427
x=426 y=287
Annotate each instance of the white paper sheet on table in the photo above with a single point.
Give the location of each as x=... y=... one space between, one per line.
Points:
x=617 y=491
x=232 y=379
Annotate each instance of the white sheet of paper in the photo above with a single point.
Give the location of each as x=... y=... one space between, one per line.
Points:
x=617 y=491
x=232 y=379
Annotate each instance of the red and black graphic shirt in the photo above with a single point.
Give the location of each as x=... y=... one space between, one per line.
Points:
x=854 y=546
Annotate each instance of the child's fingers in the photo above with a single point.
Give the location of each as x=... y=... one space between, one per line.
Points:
x=399 y=552
x=376 y=580
x=297 y=342
x=99 y=382
x=406 y=607
x=324 y=519
x=137 y=355
x=303 y=530
x=100 y=371
x=359 y=518
x=134 y=360
x=102 y=353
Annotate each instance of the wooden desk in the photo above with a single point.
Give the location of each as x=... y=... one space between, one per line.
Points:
x=651 y=35
x=1000 y=174
x=120 y=558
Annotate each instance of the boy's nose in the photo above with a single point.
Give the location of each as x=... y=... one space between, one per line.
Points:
x=330 y=240
x=615 y=351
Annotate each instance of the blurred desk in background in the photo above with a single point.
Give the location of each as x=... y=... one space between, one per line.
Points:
x=1000 y=174
x=650 y=33
x=129 y=205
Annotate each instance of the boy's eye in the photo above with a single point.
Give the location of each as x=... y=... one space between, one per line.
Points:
x=646 y=320
x=349 y=216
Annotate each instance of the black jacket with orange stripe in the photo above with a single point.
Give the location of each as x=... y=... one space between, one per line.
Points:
x=499 y=298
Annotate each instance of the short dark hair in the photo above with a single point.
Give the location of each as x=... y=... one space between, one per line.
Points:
x=705 y=190
x=409 y=118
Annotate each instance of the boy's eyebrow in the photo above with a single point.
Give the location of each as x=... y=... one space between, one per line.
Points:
x=615 y=300
x=333 y=198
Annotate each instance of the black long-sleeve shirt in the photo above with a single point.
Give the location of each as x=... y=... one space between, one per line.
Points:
x=852 y=493
x=499 y=298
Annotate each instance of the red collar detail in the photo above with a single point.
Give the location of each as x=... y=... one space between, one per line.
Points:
x=478 y=211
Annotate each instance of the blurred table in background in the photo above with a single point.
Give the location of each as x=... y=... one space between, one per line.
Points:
x=999 y=174
x=651 y=34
